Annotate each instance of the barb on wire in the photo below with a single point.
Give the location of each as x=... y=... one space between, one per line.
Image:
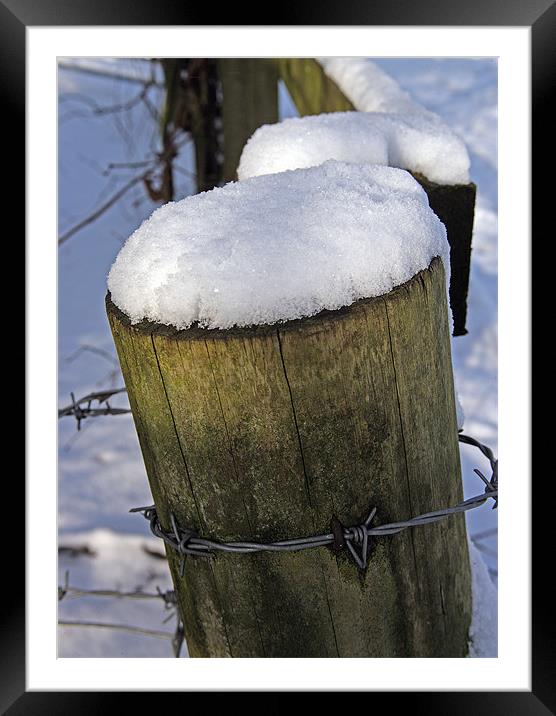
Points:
x=492 y=484
x=168 y=597
x=82 y=408
x=63 y=590
x=187 y=542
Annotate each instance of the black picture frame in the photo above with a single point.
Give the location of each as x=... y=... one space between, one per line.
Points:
x=540 y=16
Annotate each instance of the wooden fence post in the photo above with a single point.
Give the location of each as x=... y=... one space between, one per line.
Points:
x=266 y=433
x=250 y=98
x=455 y=207
x=313 y=92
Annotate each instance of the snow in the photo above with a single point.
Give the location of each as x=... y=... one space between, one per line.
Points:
x=483 y=633
x=101 y=472
x=460 y=413
x=415 y=142
x=118 y=562
x=278 y=247
x=369 y=88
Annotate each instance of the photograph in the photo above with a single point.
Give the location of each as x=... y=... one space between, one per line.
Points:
x=278 y=316
x=278 y=343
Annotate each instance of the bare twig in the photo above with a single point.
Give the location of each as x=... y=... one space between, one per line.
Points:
x=107 y=73
x=160 y=159
x=104 y=207
x=112 y=375
x=99 y=110
x=127 y=165
x=183 y=171
x=92 y=349
x=151 y=109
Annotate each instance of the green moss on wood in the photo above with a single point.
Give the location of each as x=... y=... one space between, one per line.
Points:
x=266 y=433
x=312 y=91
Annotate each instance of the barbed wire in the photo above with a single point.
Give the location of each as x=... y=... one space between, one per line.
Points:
x=82 y=408
x=187 y=542
x=121 y=627
x=168 y=597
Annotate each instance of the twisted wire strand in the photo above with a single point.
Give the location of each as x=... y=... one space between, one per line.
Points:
x=187 y=542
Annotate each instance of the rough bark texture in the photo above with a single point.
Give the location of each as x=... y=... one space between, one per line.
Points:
x=267 y=433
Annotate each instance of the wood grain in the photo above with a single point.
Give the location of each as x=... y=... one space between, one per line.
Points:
x=250 y=99
x=267 y=433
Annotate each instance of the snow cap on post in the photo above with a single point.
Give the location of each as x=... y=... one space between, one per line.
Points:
x=416 y=142
x=278 y=247
x=369 y=88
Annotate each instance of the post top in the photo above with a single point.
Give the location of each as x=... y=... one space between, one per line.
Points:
x=422 y=144
x=309 y=324
x=278 y=248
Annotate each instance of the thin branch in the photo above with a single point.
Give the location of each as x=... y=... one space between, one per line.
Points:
x=126 y=165
x=183 y=171
x=92 y=349
x=111 y=375
x=103 y=208
x=151 y=109
x=107 y=74
x=99 y=110
x=161 y=158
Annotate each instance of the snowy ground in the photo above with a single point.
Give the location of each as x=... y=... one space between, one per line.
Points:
x=101 y=474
